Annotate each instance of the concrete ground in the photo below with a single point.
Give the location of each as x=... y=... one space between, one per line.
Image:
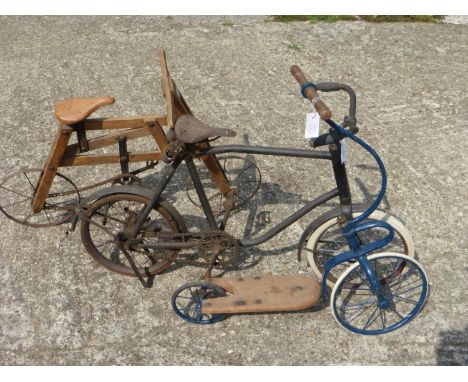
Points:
x=58 y=307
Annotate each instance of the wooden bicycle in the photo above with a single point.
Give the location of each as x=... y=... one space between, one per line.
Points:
x=43 y=197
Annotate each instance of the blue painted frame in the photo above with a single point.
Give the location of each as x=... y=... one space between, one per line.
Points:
x=359 y=251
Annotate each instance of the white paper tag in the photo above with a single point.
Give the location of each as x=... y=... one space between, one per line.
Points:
x=312 y=129
x=343 y=150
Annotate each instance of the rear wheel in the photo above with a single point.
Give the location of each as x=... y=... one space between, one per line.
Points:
x=323 y=239
x=110 y=215
x=187 y=302
x=17 y=192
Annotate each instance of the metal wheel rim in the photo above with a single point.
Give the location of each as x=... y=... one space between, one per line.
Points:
x=66 y=217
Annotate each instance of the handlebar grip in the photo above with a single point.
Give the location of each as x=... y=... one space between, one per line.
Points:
x=311 y=93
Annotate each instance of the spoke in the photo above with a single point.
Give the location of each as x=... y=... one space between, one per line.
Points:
x=12 y=204
x=15 y=192
x=382 y=318
x=402 y=285
x=32 y=186
x=92 y=222
x=104 y=242
x=369 y=322
x=109 y=217
x=357 y=305
x=405 y=299
x=189 y=309
x=47 y=215
x=397 y=313
x=193 y=294
x=399 y=281
x=410 y=289
x=185 y=297
x=358 y=314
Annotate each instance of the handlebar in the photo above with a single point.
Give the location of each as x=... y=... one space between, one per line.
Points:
x=350 y=120
x=311 y=93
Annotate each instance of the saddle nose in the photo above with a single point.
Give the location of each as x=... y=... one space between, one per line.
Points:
x=191 y=130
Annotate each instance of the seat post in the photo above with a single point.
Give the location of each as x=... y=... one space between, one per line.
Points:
x=81 y=136
x=123 y=155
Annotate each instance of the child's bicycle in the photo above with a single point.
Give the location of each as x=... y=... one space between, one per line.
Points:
x=134 y=231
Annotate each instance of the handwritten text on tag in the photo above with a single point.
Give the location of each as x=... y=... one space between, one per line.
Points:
x=312 y=129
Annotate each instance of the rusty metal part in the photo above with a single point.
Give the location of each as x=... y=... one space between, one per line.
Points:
x=191 y=130
x=242 y=174
x=211 y=247
x=105 y=222
x=17 y=192
x=174 y=149
x=62 y=203
x=229 y=204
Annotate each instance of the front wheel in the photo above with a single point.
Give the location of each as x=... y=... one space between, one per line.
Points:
x=403 y=283
x=323 y=239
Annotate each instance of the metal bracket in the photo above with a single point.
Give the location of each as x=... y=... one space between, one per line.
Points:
x=123 y=156
x=81 y=137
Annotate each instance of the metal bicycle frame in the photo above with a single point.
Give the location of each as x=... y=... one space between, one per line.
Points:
x=342 y=190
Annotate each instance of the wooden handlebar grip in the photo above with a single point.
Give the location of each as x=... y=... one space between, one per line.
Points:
x=322 y=109
x=298 y=75
x=311 y=93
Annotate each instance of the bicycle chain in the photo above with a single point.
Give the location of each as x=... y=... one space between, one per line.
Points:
x=95 y=185
x=209 y=241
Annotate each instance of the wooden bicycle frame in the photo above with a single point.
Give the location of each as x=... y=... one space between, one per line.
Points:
x=63 y=154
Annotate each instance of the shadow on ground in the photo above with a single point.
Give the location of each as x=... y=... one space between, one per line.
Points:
x=453 y=348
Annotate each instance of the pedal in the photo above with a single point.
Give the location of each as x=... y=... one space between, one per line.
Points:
x=263 y=294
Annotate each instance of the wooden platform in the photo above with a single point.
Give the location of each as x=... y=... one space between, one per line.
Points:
x=263 y=294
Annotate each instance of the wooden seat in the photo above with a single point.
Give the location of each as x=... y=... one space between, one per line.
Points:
x=263 y=294
x=73 y=110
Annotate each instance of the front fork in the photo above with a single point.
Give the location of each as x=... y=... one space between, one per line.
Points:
x=374 y=284
x=359 y=252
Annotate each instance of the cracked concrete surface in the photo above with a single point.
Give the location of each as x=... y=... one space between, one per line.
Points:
x=58 y=307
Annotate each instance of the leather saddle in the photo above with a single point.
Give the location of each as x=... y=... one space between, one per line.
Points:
x=189 y=129
x=73 y=110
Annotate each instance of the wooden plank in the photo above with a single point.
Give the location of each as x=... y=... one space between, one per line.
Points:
x=180 y=105
x=263 y=294
x=107 y=140
x=50 y=168
x=216 y=173
x=107 y=158
x=122 y=122
x=166 y=85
